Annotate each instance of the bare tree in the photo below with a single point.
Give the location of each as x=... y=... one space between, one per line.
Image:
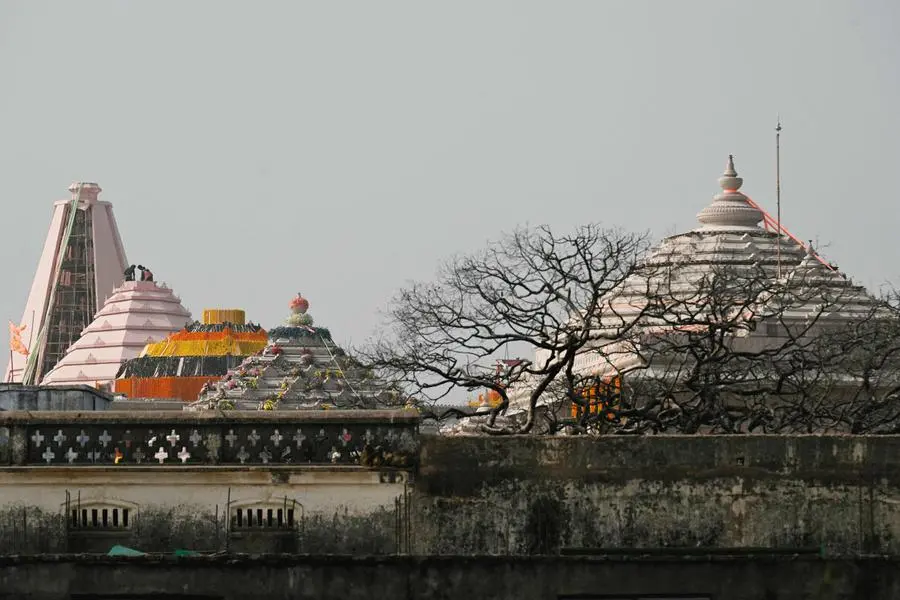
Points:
x=863 y=372
x=616 y=343
x=533 y=294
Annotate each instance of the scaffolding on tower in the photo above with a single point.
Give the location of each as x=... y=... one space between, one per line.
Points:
x=81 y=263
x=72 y=283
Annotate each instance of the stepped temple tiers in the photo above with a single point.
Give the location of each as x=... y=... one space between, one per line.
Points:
x=82 y=262
x=179 y=366
x=729 y=242
x=137 y=313
x=300 y=368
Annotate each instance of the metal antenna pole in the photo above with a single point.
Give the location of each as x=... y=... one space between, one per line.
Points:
x=778 y=193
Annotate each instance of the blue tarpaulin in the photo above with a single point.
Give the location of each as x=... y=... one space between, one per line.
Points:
x=118 y=550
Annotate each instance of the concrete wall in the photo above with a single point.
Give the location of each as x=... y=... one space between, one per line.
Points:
x=482 y=578
x=14 y=396
x=537 y=495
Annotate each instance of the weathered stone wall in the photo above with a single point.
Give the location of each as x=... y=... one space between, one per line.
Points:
x=537 y=495
x=164 y=529
x=482 y=578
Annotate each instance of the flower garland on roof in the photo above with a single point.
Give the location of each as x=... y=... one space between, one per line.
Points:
x=167 y=366
x=299 y=333
x=198 y=327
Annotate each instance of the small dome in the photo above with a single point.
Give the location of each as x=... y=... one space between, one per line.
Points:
x=730 y=209
x=299 y=304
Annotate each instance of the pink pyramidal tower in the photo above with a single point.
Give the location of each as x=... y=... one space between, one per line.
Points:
x=82 y=262
x=137 y=313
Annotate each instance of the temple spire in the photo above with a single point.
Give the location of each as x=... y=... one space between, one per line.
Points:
x=730 y=208
x=729 y=168
x=729 y=181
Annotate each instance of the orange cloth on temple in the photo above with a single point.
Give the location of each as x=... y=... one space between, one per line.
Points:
x=209 y=343
x=15 y=339
x=225 y=334
x=174 y=388
x=599 y=397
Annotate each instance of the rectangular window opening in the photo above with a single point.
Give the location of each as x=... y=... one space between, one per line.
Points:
x=93 y=517
x=274 y=518
x=124 y=517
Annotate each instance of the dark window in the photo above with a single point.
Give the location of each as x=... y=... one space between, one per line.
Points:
x=271 y=518
x=99 y=518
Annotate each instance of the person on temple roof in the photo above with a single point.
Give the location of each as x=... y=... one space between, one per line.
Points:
x=129 y=273
x=146 y=274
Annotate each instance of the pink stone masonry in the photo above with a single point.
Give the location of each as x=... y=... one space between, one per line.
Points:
x=137 y=313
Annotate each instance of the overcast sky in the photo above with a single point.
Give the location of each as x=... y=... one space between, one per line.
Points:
x=252 y=150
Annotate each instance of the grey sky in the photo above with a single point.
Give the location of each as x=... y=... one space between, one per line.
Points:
x=257 y=149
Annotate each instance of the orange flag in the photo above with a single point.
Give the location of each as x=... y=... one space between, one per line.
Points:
x=15 y=339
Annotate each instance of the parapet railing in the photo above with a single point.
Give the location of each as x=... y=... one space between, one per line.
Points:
x=367 y=438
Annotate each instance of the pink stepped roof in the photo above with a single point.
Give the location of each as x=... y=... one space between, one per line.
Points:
x=137 y=313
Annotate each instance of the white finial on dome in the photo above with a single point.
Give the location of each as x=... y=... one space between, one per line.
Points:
x=811 y=262
x=729 y=181
x=730 y=209
x=729 y=168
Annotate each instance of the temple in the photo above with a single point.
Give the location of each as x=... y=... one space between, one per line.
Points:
x=300 y=368
x=82 y=262
x=729 y=241
x=137 y=313
x=734 y=236
x=178 y=367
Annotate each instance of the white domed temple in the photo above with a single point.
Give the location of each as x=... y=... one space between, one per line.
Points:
x=769 y=284
x=737 y=252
